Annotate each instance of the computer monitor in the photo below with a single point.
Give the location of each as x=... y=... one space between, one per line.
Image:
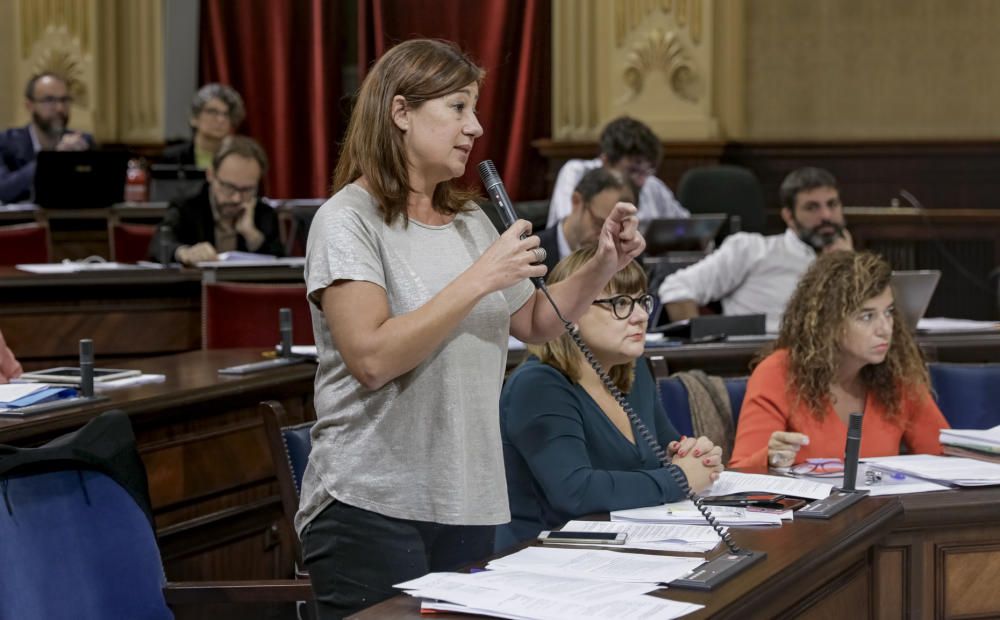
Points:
x=169 y=182
x=681 y=234
x=80 y=179
x=912 y=291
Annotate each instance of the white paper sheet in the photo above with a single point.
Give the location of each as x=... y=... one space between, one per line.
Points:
x=685 y=513
x=607 y=565
x=9 y=392
x=944 y=325
x=949 y=469
x=734 y=482
x=988 y=439
x=556 y=587
x=655 y=537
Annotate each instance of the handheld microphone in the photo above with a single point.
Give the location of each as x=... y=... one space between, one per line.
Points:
x=498 y=195
x=87 y=368
x=851 y=451
x=285 y=326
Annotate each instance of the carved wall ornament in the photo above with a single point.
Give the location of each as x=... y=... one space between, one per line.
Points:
x=57 y=51
x=631 y=15
x=666 y=52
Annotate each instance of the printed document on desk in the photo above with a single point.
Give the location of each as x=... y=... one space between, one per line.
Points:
x=964 y=472
x=605 y=565
x=731 y=482
x=249 y=259
x=986 y=440
x=519 y=595
x=889 y=483
x=685 y=512
x=654 y=536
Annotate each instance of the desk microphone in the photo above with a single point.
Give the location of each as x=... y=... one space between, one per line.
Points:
x=163 y=251
x=87 y=368
x=851 y=452
x=285 y=325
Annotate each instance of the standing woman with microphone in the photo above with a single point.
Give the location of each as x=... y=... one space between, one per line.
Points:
x=413 y=295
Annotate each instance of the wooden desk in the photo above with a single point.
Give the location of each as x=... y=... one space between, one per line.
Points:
x=211 y=481
x=942 y=558
x=819 y=568
x=732 y=359
x=128 y=314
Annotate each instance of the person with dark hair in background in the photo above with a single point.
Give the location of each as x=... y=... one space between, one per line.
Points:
x=843 y=349
x=593 y=200
x=226 y=214
x=413 y=296
x=755 y=274
x=630 y=147
x=48 y=101
x=10 y=368
x=569 y=447
x=216 y=111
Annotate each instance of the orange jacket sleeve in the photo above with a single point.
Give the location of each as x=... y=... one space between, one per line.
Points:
x=765 y=410
x=922 y=434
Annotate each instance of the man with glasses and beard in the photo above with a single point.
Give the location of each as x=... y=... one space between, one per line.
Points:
x=47 y=100
x=594 y=198
x=755 y=274
x=226 y=215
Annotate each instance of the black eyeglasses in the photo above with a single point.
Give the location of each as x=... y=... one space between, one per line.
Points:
x=622 y=306
x=51 y=101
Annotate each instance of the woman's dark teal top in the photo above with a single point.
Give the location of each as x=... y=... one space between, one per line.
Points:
x=564 y=457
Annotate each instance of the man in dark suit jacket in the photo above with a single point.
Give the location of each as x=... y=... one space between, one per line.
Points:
x=225 y=215
x=593 y=200
x=47 y=99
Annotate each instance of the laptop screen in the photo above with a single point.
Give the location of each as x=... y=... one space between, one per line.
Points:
x=681 y=234
x=80 y=179
x=912 y=291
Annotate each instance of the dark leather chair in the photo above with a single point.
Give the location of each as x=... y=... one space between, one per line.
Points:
x=290 y=446
x=24 y=243
x=967 y=394
x=246 y=315
x=130 y=242
x=77 y=538
x=724 y=189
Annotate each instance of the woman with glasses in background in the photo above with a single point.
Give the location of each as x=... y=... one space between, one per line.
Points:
x=569 y=447
x=216 y=111
x=842 y=349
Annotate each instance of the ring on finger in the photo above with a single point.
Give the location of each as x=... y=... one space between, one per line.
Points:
x=540 y=255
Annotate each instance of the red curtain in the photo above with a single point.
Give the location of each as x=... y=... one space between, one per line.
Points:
x=285 y=59
x=511 y=39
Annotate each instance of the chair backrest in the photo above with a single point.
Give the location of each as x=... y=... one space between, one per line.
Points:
x=674 y=398
x=967 y=394
x=24 y=243
x=724 y=189
x=130 y=242
x=246 y=315
x=290 y=446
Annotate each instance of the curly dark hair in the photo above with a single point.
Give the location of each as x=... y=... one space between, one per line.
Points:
x=625 y=136
x=833 y=289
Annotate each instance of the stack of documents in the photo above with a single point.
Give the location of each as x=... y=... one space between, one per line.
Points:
x=598 y=564
x=981 y=444
x=887 y=483
x=943 y=325
x=14 y=396
x=655 y=537
x=685 y=513
x=522 y=594
x=959 y=471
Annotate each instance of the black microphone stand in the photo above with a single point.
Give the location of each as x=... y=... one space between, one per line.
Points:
x=847 y=495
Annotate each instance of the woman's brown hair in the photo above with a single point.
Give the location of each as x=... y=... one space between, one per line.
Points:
x=835 y=288
x=418 y=70
x=562 y=353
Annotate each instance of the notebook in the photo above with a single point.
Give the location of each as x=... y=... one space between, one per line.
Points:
x=80 y=179
x=913 y=291
x=681 y=234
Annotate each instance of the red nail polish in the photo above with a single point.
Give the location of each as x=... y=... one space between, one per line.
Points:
x=697 y=452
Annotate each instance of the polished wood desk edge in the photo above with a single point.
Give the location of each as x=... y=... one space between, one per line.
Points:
x=960 y=507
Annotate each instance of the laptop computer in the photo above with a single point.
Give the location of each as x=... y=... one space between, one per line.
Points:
x=681 y=234
x=913 y=291
x=168 y=182
x=80 y=179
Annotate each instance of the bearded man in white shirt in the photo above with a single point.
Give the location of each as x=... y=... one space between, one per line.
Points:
x=752 y=273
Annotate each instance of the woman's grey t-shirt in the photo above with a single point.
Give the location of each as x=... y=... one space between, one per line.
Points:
x=425 y=446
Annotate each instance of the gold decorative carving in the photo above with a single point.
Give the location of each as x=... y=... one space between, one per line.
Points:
x=61 y=56
x=632 y=14
x=662 y=51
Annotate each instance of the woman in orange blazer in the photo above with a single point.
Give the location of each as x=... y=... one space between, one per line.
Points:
x=842 y=349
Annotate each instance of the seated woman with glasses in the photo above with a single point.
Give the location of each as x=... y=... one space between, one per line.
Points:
x=216 y=111
x=226 y=215
x=569 y=447
x=842 y=349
